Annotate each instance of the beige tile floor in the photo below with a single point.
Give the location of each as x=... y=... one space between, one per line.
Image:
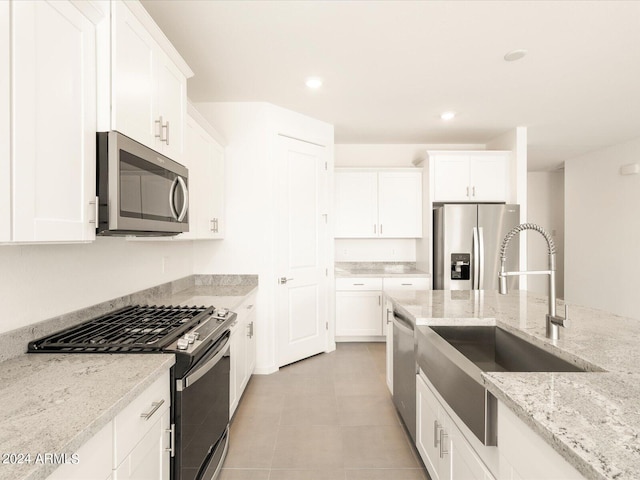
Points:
x=329 y=417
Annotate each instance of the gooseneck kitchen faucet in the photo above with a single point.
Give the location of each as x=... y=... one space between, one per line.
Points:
x=554 y=322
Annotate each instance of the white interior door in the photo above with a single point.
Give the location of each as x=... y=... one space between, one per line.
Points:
x=302 y=244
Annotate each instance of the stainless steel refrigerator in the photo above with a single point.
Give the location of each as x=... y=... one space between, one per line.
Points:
x=466 y=245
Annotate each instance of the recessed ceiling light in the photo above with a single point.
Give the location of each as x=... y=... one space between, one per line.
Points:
x=514 y=55
x=446 y=116
x=314 y=82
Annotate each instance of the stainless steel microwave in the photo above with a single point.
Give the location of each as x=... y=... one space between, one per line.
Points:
x=140 y=192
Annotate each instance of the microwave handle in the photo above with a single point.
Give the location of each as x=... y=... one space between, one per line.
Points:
x=185 y=204
x=172 y=192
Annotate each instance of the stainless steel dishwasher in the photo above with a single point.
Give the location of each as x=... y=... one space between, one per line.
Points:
x=405 y=370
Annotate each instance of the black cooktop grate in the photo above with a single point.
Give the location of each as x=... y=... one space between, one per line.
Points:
x=138 y=328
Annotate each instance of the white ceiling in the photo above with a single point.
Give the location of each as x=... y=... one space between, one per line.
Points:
x=391 y=67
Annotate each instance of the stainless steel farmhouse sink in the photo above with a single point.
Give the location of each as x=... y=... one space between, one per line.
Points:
x=454 y=358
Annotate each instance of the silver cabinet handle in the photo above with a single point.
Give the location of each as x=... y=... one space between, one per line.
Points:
x=250 y=330
x=467 y=191
x=358 y=284
x=379 y=300
x=406 y=284
x=185 y=204
x=388 y=320
x=249 y=307
x=473 y=191
x=172 y=439
x=443 y=449
x=284 y=280
x=436 y=430
x=154 y=408
x=96 y=206
x=166 y=137
x=380 y=229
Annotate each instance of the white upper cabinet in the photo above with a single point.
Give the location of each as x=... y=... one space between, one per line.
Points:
x=149 y=91
x=378 y=203
x=356 y=194
x=53 y=107
x=205 y=160
x=481 y=176
x=400 y=204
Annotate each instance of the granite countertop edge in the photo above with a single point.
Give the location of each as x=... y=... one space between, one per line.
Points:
x=594 y=465
x=221 y=294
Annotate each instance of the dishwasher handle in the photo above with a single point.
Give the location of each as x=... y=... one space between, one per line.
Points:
x=403 y=325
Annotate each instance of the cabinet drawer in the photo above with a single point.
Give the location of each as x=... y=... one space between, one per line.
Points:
x=129 y=425
x=358 y=284
x=406 y=283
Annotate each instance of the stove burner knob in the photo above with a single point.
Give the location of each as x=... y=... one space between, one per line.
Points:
x=223 y=312
x=196 y=335
x=183 y=344
x=190 y=337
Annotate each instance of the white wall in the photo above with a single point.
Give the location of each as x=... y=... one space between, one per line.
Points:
x=602 y=230
x=249 y=247
x=38 y=282
x=545 y=205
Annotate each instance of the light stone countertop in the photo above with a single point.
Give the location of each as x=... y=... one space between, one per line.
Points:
x=592 y=419
x=378 y=269
x=56 y=402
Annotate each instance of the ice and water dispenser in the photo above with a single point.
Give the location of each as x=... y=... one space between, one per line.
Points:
x=460 y=266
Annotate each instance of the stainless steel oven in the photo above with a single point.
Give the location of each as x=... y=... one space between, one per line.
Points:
x=201 y=415
x=140 y=191
x=199 y=337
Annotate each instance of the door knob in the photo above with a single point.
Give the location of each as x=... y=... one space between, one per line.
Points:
x=284 y=280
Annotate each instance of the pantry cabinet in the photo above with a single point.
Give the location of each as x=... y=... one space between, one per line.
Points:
x=480 y=176
x=149 y=92
x=243 y=351
x=53 y=122
x=383 y=203
x=205 y=161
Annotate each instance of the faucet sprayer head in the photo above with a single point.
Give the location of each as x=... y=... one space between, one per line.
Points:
x=502 y=278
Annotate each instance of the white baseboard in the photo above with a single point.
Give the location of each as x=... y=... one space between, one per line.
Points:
x=370 y=338
x=268 y=370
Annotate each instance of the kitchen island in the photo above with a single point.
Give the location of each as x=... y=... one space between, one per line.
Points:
x=592 y=418
x=54 y=403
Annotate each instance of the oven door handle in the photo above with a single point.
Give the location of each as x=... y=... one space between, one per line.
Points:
x=192 y=378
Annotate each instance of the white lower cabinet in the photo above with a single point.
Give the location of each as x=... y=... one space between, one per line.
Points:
x=243 y=351
x=141 y=434
x=359 y=310
x=444 y=449
x=94 y=459
x=135 y=445
x=388 y=320
x=524 y=455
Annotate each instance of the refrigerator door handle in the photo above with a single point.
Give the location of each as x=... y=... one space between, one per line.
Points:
x=476 y=257
x=481 y=259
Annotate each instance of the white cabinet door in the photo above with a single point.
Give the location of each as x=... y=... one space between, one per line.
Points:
x=428 y=430
x=238 y=371
x=94 y=459
x=451 y=178
x=356 y=197
x=400 y=204
x=205 y=160
x=54 y=122
x=5 y=122
x=358 y=313
x=172 y=107
x=133 y=78
x=250 y=330
x=388 y=316
x=465 y=464
x=490 y=178
x=148 y=91
x=481 y=176
x=148 y=459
